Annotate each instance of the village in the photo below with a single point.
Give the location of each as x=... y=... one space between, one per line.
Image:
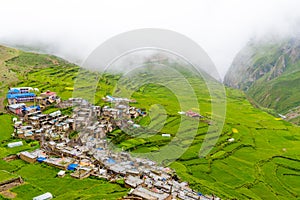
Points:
x=77 y=143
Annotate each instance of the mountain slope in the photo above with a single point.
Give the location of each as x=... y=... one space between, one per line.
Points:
x=269 y=72
x=263 y=162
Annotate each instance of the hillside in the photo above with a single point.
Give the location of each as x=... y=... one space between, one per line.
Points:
x=269 y=72
x=16 y=66
x=263 y=162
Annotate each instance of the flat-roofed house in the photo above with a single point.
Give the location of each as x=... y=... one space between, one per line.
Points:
x=28 y=157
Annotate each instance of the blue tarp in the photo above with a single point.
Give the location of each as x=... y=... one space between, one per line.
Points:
x=72 y=166
x=100 y=148
x=41 y=159
x=21 y=95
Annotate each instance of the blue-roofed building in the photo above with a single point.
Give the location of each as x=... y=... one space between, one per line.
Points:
x=41 y=159
x=72 y=166
x=30 y=108
x=21 y=109
x=21 y=90
x=17 y=95
x=14 y=91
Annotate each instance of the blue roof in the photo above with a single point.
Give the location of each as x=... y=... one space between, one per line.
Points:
x=41 y=159
x=21 y=95
x=14 y=91
x=32 y=107
x=72 y=166
x=111 y=161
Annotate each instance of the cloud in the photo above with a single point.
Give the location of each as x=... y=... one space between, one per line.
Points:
x=72 y=29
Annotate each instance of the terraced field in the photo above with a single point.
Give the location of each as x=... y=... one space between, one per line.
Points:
x=263 y=162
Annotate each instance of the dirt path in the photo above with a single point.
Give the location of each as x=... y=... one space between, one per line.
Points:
x=1 y=104
x=8 y=194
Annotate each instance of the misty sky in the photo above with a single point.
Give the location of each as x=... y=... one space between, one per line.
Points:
x=73 y=29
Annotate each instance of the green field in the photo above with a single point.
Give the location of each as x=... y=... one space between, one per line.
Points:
x=6 y=127
x=262 y=163
x=5 y=176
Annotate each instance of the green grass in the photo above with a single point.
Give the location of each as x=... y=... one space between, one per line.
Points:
x=5 y=176
x=6 y=128
x=274 y=94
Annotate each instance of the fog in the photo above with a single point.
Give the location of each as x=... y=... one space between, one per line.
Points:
x=73 y=29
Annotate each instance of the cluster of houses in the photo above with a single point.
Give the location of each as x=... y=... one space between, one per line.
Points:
x=18 y=97
x=190 y=113
x=112 y=99
x=146 y=179
x=87 y=119
x=47 y=98
x=21 y=109
x=89 y=154
x=36 y=125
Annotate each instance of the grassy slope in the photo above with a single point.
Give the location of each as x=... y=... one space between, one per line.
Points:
x=280 y=92
x=262 y=163
x=17 y=66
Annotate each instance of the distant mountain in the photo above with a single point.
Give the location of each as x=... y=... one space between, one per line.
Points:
x=268 y=71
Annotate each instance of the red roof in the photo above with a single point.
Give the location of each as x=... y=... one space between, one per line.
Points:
x=192 y=114
x=49 y=93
